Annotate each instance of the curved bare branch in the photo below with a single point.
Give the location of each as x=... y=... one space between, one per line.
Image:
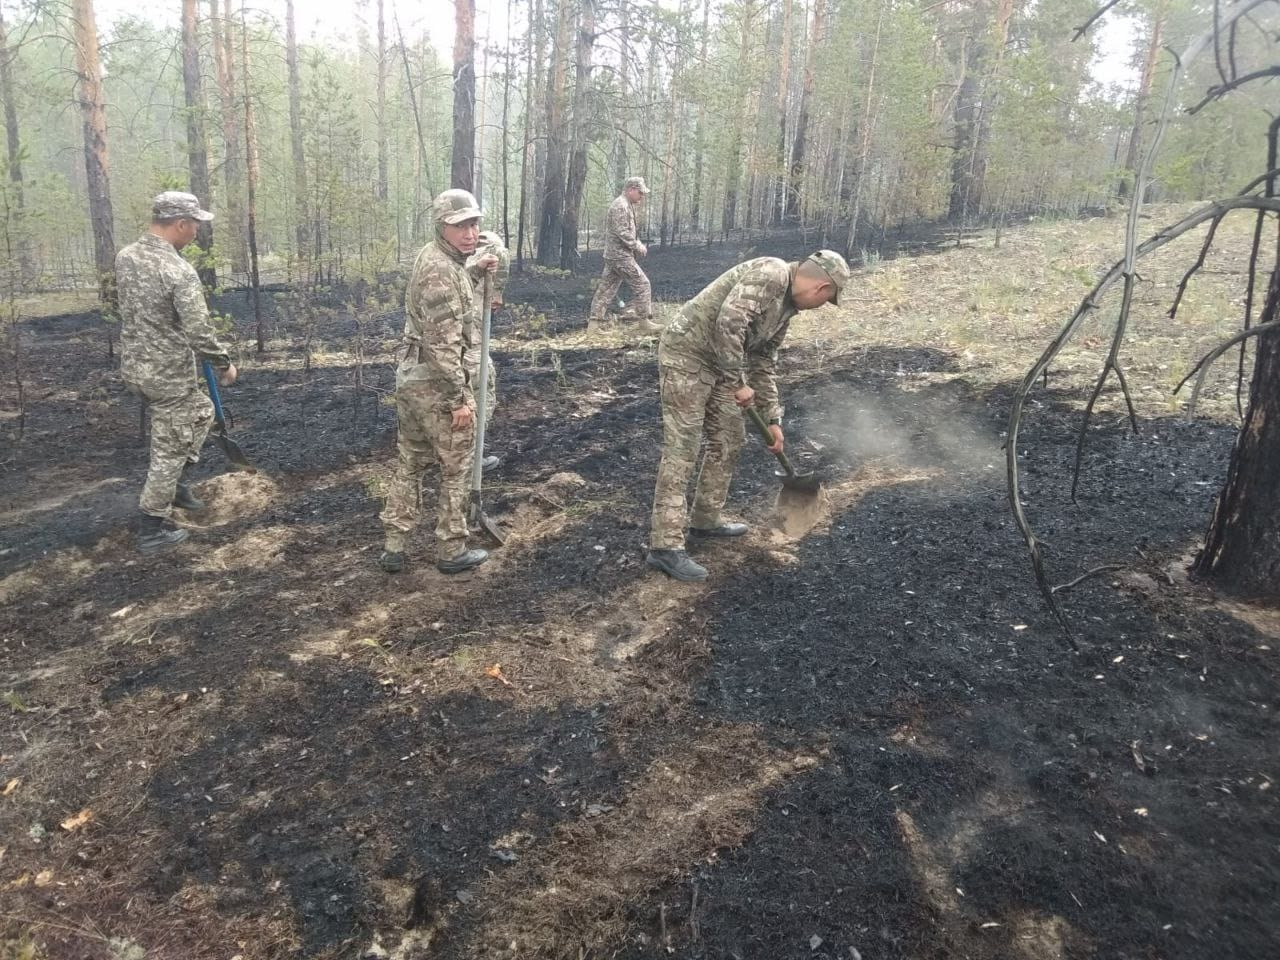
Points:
x=1202 y=365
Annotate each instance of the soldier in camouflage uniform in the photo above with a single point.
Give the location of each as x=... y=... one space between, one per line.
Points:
x=717 y=357
x=165 y=328
x=621 y=247
x=435 y=406
x=489 y=245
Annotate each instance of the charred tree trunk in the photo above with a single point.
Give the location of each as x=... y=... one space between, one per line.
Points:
x=577 y=180
x=251 y=149
x=1242 y=546
x=197 y=144
x=97 y=167
x=21 y=243
x=233 y=152
x=802 y=121
x=462 y=171
x=549 y=234
x=301 y=203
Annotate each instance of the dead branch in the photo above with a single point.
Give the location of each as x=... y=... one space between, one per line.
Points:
x=1097 y=15
x=1195 y=267
x=1106 y=567
x=1202 y=365
x=1222 y=89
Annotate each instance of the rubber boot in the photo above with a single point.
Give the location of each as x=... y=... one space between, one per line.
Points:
x=392 y=561
x=183 y=498
x=676 y=564
x=159 y=533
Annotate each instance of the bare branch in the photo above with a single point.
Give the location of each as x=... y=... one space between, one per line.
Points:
x=1097 y=15
x=1105 y=568
x=1202 y=366
x=1195 y=267
x=1222 y=89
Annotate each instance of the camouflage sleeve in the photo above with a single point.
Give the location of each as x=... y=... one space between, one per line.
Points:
x=491 y=245
x=622 y=225
x=438 y=310
x=193 y=314
x=746 y=302
x=762 y=370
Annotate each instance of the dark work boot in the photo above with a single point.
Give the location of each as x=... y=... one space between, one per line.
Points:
x=649 y=325
x=159 y=533
x=719 y=530
x=392 y=561
x=184 y=499
x=676 y=563
x=466 y=560
x=488 y=463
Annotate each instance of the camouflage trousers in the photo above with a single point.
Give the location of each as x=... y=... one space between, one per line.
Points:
x=697 y=406
x=425 y=436
x=179 y=426
x=616 y=271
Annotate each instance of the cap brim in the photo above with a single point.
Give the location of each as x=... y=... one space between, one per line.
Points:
x=462 y=216
x=204 y=216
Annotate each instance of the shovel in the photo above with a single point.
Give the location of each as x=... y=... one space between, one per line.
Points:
x=475 y=512
x=800 y=499
x=229 y=446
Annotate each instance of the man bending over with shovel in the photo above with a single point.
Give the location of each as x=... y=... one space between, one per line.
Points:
x=435 y=406
x=716 y=358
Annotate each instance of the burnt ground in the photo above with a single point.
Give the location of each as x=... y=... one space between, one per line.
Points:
x=872 y=741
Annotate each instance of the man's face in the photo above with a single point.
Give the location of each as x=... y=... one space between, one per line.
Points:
x=634 y=195
x=808 y=292
x=463 y=236
x=184 y=232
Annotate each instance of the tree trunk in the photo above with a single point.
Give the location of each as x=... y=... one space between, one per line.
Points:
x=526 y=153
x=233 y=154
x=382 y=103
x=1242 y=546
x=577 y=180
x=784 y=83
x=482 y=101
x=1134 y=154
x=998 y=38
x=251 y=148
x=462 y=171
x=506 y=139
x=733 y=168
x=620 y=172
x=699 y=132
x=21 y=241
x=96 y=162
x=802 y=121
x=197 y=144
x=549 y=230
x=301 y=200
x=864 y=150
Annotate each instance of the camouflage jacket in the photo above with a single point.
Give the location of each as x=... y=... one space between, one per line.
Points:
x=441 y=338
x=620 y=230
x=164 y=320
x=734 y=327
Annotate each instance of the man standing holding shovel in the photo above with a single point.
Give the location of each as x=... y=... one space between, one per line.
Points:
x=716 y=358
x=435 y=406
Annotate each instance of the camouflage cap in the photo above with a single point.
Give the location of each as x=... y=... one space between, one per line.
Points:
x=176 y=205
x=836 y=268
x=638 y=183
x=454 y=207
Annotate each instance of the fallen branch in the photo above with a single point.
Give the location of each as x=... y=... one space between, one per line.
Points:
x=1087 y=574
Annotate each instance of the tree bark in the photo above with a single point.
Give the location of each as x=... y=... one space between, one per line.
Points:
x=301 y=197
x=233 y=153
x=620 y=172
x=699 y=132
x=581 y=122
x=864 y=151
x=462 y=170
x=382 y=102
x=1134 y=153
x=549 y=230
x=784 y=84
x=197 y=143
x=97 y=165
x=802 y=121
x=251 y=149
x=13 y=140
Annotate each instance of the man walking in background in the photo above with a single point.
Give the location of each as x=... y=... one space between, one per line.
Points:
x=435 y=403
x=717 y=357
x=621 y=247
x=164 y=329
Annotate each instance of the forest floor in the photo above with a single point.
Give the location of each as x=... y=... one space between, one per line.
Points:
x=872 y=741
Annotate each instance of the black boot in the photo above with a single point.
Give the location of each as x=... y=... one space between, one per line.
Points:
x=392 y=561
x=159 y=533
x=466 y=560
x=676 y=563
x=719 y=530
x=184 y=499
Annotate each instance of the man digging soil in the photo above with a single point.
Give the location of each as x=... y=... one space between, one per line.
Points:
x=717 y=357
x=164 y=326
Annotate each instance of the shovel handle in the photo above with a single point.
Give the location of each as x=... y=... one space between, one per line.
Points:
x=212 y=382
x=762 y=428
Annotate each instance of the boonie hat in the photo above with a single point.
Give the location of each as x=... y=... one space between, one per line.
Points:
x=836 y=268
x=176 y=205
x=454 y=207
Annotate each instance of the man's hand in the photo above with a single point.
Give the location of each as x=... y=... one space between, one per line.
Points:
x=228 y=376
x=495 y=304
x=744 y=397
x=776 y=446
x=641 y=249
x=463 y=417
x=488 y=263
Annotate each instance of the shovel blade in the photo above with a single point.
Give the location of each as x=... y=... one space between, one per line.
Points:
x=234 y=453
x=477 y=518
x=804 y=483
x=799 y=508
